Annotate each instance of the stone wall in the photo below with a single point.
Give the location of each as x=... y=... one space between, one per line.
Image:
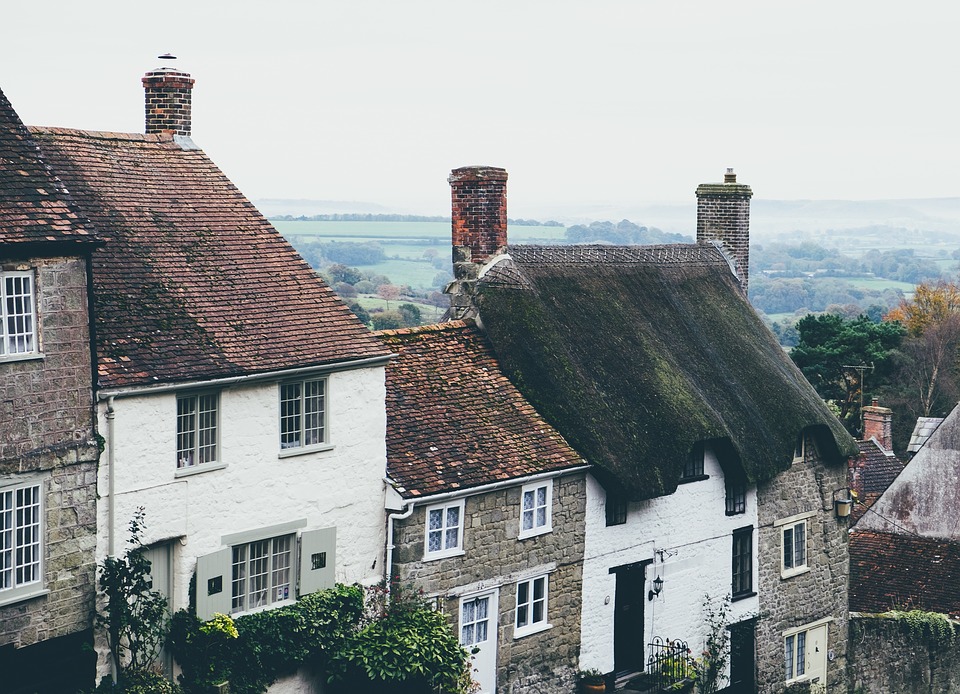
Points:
x=723 y=214
x=494 y=558
x=47 y=437
x=885 y=659
x=819 y=593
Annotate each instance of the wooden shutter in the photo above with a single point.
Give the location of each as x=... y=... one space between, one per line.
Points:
x=318 y=554
x=214 y=592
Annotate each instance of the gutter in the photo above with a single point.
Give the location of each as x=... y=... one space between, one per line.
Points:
x=111 y=393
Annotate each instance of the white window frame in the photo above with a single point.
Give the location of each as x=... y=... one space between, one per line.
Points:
x=789 y=528
x=800 y=448
x=447 y=549
x=295 y=424
x=190 y=454
x=280 y=562
x=18 y=324
x=538 y=513
x=792 y=640
x=21 y=579
x=525 y=620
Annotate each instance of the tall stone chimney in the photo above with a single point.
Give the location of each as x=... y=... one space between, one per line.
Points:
x=479 y=230
x=723 y=214
x=878 y=424
x=168 y=97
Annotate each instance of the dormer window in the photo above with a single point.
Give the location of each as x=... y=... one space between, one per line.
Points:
x=736 y=497
x=799 y=447
x=693 y=467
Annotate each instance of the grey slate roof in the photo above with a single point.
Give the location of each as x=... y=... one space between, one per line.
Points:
x=922 y=431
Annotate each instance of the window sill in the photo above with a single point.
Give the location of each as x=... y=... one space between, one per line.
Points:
x=695 y=478
x=263 y=608
x=790 y=573
x=743 y=596
x=530 y=631
x=198 y=469
x=446 y=554
x=304 y=450
x=20 y=597
x=527 y=534
x=28 y=356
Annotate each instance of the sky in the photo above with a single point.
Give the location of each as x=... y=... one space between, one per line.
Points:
x=606 y=103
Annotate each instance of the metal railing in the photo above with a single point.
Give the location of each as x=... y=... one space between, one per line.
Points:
x=668 y=662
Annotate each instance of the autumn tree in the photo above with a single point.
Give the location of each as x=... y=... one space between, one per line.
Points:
x=388 y=292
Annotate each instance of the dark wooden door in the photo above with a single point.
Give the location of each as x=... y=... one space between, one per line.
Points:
x=628 y=646
x=742 y=661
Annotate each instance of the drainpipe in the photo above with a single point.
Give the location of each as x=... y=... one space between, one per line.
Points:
x=390 y=546
x=111 y=480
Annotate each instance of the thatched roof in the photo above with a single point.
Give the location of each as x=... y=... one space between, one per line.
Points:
x=636 y=354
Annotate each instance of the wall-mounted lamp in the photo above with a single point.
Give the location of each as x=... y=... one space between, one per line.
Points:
x=657 y=587
x=843 y=502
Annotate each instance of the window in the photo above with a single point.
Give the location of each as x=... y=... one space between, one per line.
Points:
x=535 y=504
x=616 y=509
x=531 y=606
x=197 y=418
x=693 y=466
x=444 y=534
x=261 y=573
x=794 y=548
x=21 y=537
x=736 y=497
x=795 y=656
x=18 y=318
x=742 y=585
x=303 y=414
x=799 y=447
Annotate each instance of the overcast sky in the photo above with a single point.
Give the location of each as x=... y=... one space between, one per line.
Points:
x=612 y=102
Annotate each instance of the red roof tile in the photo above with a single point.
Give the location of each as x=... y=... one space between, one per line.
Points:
x=454 y=421
x=897 y=570
x=193 y=283
x=33 y=205
x=877 y=472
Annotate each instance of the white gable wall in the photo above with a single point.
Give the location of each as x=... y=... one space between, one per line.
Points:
x=341 y=487
x=692 y=528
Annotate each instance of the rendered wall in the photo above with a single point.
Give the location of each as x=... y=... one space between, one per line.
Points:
x=692 y=528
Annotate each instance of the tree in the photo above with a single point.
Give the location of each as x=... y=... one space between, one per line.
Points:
x=388 y=292
x=829 y=345
x=410 y=313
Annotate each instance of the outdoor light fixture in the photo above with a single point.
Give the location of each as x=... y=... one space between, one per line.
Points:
x=657 y=587
x=843 y=502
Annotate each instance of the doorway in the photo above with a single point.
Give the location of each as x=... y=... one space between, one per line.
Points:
x=160 y=557
x=628 y=616
x=478 y=634
x=742 y=657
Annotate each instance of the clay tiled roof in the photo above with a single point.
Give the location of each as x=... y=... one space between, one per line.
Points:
x=637 y=353
x=877 y=472
x=454 y=421
x=33 y=204
x=193 y=282
x=889 y=571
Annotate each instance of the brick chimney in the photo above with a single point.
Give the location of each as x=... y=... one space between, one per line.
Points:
x=723 y=214
x=479 y=229
x=168 y=96
x=878 y=424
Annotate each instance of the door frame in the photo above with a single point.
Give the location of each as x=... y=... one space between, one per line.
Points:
x=493 y=634
x=636 y=583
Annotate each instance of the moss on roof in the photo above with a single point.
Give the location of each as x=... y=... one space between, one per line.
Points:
x=635 y=358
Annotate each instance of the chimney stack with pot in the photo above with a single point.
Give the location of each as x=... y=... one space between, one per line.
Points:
x=168 y=96
x=723 y=215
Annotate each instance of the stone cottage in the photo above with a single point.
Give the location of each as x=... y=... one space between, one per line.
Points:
x=48 y=451
x=488 y=508
x=714 y=462
x=240 y=401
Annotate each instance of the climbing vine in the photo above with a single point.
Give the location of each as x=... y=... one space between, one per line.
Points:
x=922 y=624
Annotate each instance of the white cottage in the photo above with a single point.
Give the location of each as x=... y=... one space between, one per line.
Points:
x=241 y=403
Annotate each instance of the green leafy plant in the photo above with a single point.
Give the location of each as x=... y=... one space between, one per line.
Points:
x=591 y=676
x=921 y=624
x=135 y=617
x=711 y=665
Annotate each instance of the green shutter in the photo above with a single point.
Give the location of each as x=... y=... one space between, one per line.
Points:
x=214 y=593
x=318 y=554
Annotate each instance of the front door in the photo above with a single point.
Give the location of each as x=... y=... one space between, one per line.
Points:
x=160 y=557
x=628 y=617
x=478 y=634
x=742 y=661
x=816 y=657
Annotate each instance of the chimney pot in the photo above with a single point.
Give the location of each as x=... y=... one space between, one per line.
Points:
x=878 y=424
x=730 y=176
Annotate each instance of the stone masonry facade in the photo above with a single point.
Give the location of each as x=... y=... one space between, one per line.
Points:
x=495 y=557
x=820 y=592
x=48 y=436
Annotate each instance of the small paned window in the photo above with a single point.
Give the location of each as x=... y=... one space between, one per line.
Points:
x=21 y=540
x=18 y=314
x=693 y=466
x=197 y=424
x=303 y=419
x=444 y=533
x=795 y=546
x=531 y=606
x=535 y=506
x=799 y=447
x=795 y=655
x=736 y=497
x=262 y=573
x=742 y=584
x=616 y=508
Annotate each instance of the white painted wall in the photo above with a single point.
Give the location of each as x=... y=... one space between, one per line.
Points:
x=340 y=487
x=691 y=527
